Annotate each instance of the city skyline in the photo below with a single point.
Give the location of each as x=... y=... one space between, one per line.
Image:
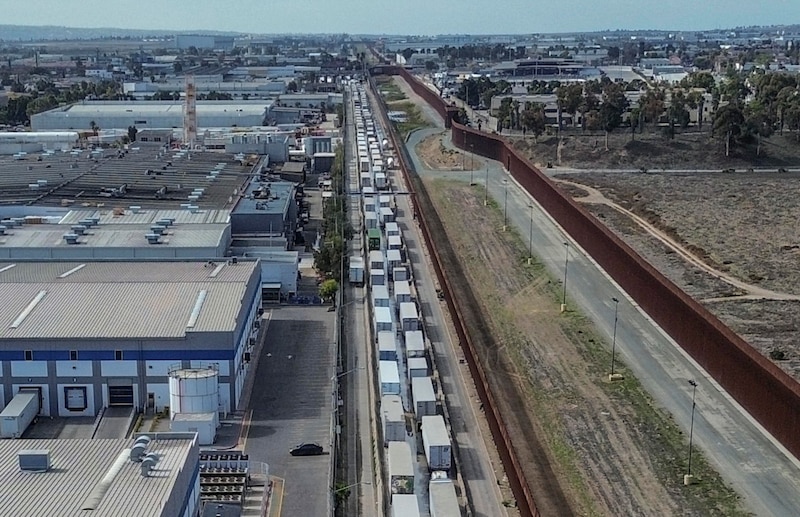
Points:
x=413 y=17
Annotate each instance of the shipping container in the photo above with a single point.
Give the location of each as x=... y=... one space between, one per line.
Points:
x=18 y=414
x=415 y=343
x=383 y=320
x=356 y=271
x=387 y=346
x=402 y=292
x=405 y=505
x=380 y=296
x=423 y=396
x=442 y=498
x=393 y=418
x=409 y=318
x=417 y=367
x=400 y=464
x=436 y=441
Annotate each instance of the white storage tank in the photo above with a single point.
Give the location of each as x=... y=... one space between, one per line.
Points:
x=415 y=343
x=194 y=390
x=390 y=377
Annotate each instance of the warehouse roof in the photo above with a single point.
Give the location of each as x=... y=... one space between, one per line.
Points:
x=94 y=300
x=78 y=467
x=152 y=178
x=155 y=108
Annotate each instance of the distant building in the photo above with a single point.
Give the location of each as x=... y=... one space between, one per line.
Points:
x=186 y=41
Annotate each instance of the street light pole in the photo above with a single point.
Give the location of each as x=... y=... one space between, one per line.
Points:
x=688 y=479
x=486 y=191
x=566 y=265
x=505 y=205
x=614 y=376
x=530 y=238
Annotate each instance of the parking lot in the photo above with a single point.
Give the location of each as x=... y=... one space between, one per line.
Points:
x=291 y=404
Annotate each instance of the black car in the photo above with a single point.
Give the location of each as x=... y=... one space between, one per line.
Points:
x=307 y=449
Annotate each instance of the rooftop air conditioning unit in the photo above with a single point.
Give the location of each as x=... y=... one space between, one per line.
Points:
x=78 y=229
x=152 y=238
x=71 y=238
x=157 y=229
x=34 y=460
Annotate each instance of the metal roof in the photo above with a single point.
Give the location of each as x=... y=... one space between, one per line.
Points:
x=69 y=300
x=77 y=468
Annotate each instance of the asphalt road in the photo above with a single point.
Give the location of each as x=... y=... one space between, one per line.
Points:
x=747 y=457
x=291 y=404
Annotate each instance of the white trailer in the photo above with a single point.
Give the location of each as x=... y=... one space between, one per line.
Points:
x=366 y=179
x=417 y=367
x=390 y=377
x=436 y=441
x=394 y=258
x=409 y=318
x=398 y=272
x=386 y=201
x=391 y=228
x=405 y=505
x=387 y=346
x=393 y=419
x=415 y=343
x=442 y=498
x=377 y=277
x=370 y=220
x=356 y=271
x=380 y=296
x=383 y=320
x=369 y=204
x=402 y=291
x=18 y=414
x=423 y=396
x=401 y=468
x=376 y=259
x=380 y=181
x=387 y=216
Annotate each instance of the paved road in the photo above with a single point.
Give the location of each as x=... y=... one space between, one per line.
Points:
x=291 y=404
x=476 y=468
x=747 y=457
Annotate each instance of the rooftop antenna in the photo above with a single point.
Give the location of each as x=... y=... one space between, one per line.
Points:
x=190 y=113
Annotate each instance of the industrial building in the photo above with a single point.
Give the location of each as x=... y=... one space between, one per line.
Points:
x=88 y=335
x=20 y=143
x=204 y=41
x=103 y=477
x=150 y=114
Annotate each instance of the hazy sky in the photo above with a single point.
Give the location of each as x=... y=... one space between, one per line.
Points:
x=402 y=16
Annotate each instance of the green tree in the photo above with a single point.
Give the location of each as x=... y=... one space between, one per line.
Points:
x=613 y=106
x=132 y=132
x=328 y=289
x=533 y=119
x=759 y=122
x=729 y=122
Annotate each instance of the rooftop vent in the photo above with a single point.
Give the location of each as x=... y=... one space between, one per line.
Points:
x=2 y=230
x=34 y=460
x=152 y=238
x=88 y=223
x=193 y=208
x=148 y=463
x=166 y=221
x=10 y=223
x=71 y=238
x=41 y=183
x=158 y=229
x=134 y=209
x=139 y=448
x=33 y=186
x=78 y=229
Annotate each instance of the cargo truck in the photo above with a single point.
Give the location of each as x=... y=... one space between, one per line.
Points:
x=401 y=468
x=436 y=441
x=374 y=239
x=393 y=419
x=356 y=275
x=442 y=498
x=18 y=414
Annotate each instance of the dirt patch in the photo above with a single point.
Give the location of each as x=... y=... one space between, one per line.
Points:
x=438 y=157
x=743 y=224
x=653 y=151
x=607 y=448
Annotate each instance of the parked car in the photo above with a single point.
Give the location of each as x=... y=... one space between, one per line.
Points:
x=307 y=449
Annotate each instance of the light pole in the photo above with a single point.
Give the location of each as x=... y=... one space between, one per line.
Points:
x=530 y=238
x=614 y=376
x=343 y=488
x=688 y=478
x=505 y=205
x=566 y=265
x=471 y=157
x=486 y=191
x=351 y=370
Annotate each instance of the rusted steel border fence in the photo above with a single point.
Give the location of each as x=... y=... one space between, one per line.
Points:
x=768 y=393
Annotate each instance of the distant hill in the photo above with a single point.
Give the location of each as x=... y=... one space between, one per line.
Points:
x=22 y=33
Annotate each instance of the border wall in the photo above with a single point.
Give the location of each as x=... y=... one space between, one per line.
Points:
x=768 y=393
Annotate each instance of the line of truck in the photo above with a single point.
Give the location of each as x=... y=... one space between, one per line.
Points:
x=399 y=338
